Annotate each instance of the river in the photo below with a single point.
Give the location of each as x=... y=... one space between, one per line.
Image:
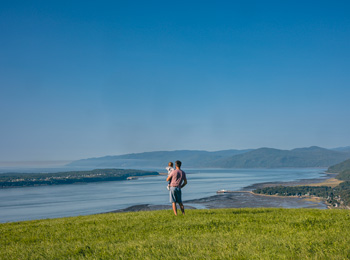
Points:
x=29 y=203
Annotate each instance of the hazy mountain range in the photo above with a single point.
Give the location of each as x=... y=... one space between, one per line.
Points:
x=252 y=158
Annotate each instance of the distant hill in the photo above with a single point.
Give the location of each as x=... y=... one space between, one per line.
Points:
x=345 y=149
x=190 y=158
x=273 y=158
x=260 y=158
x=345 y=165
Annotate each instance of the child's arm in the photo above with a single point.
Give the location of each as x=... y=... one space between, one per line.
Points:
x=169 y=177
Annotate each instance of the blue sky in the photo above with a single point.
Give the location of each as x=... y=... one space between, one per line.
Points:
x=82 y=79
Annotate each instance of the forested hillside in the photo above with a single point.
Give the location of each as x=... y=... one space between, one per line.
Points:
x=274 y=158
x=339 y=167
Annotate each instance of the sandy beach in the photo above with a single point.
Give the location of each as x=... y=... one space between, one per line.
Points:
x=247 y=199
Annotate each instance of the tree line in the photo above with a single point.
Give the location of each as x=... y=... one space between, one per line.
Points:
x=11 y=180
x=338 y=196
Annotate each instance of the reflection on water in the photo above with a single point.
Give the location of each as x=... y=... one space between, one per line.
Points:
x=82 y=199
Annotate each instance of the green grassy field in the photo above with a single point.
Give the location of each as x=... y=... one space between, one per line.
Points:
x=201 y=234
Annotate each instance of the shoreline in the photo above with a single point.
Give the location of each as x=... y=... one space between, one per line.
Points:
x=246 y=198
x=302 y=182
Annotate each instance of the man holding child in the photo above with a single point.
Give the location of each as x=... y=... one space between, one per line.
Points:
x=177 y=180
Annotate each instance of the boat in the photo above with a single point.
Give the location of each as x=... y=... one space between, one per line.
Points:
x=222 y=191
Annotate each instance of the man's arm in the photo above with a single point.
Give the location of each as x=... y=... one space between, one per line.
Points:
x=184 y=183
x=169 y=177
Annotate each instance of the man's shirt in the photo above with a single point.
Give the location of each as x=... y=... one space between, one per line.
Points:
x=177 y=177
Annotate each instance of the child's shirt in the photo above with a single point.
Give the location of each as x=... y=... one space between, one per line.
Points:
x=169 y=169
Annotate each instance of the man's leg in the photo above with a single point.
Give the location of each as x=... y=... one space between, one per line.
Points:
x=182 y=208
x=174 y=208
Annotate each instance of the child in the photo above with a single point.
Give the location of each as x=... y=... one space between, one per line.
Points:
x=169 y=168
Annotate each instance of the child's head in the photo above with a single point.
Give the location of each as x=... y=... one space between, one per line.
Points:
x=171 y=164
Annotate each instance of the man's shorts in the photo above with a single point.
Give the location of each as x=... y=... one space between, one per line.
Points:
x=175 y=195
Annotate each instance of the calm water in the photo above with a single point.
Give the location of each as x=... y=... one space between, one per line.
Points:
x=82 y=199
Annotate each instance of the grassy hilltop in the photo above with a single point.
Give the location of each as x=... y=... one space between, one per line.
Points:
x=201 y=234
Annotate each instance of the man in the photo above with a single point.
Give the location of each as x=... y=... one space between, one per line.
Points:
x=178 y=181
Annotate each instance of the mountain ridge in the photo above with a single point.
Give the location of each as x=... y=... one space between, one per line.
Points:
x=264 y=157
x=274 y=158
x=190 y=158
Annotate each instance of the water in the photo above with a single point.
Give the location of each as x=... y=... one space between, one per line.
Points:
x=30 y=203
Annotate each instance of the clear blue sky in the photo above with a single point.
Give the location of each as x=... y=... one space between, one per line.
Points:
x=82 y=79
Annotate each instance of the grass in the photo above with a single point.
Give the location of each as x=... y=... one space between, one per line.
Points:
x=201 y=234
x=331 y=182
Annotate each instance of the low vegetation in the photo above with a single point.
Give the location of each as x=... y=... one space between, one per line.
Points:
x=201 y=234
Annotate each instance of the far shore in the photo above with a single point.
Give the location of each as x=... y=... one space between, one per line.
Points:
x=302 y=182
x=330 y=182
